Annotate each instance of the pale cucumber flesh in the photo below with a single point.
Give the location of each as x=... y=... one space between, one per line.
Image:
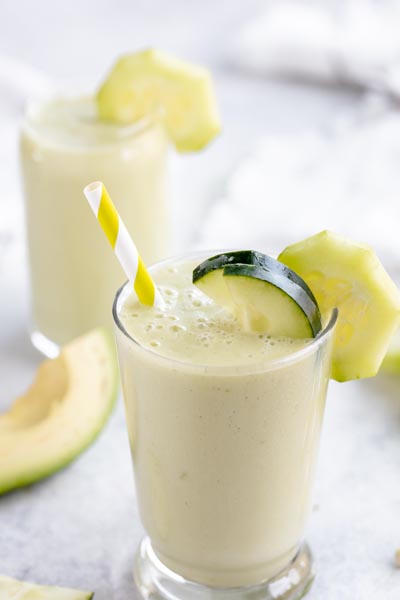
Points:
x=153 y=85
x=271 y=302
x=391 y=362
x=349 y=276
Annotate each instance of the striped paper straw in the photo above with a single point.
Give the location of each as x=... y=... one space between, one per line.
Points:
x=122 y=243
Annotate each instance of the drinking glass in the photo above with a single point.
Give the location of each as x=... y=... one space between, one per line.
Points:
x=224 y=460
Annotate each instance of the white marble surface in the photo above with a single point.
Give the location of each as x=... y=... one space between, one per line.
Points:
x=81 y=526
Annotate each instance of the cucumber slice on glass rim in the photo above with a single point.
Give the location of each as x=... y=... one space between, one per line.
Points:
x=249 y=257
x=268 y=300
x=349 y=276
x=146 y=83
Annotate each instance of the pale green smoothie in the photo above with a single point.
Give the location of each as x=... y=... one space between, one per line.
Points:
x=224 y=428
x=63 y=147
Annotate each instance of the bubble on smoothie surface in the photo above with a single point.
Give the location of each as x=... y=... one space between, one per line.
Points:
x=177 y=328
x=170 y=292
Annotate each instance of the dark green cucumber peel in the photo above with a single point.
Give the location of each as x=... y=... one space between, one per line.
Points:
x=287 y=285
x=250 y=257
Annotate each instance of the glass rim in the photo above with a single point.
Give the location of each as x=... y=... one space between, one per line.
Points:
x=118 y=132
x=240 y=369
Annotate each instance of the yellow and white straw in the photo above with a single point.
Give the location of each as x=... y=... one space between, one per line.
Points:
x=122 y=243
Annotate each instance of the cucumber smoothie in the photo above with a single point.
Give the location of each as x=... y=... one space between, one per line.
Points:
x=224 y=429
x=73 y=274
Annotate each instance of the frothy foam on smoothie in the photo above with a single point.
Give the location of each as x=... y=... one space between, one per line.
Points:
x=192 y=325
x=75 y=121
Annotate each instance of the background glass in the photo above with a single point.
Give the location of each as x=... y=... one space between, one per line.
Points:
x=72 y=269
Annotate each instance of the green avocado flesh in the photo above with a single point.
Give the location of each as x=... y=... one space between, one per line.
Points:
x=61 y=414
x=12 y=589
x=265 y=295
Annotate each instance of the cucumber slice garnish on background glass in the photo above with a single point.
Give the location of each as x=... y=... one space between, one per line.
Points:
x=263 y=294
x=149 y=83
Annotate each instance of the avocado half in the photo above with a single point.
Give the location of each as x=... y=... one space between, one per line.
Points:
x=12 y=588
x=61 y=414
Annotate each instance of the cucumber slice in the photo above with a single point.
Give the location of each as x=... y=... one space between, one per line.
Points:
x=264 y=300
x=212 y=284
x=11 y=589
x=270 y=302
x=349 y=276
x=141 y=84
x=249 y=257
x=391 y=362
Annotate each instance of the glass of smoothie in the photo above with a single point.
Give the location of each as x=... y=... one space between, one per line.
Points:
x=122 y=136
x=73 y=275
x=224 y=428
x=224 y=375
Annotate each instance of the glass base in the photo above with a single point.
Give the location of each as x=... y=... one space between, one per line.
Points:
x=44 y=345
x=156 y=582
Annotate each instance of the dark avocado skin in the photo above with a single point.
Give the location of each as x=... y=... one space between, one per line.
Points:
x=261 y=266
x=250 y=257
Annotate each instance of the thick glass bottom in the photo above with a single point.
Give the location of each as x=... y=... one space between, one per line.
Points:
x=156 y=582
x=44 y=345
